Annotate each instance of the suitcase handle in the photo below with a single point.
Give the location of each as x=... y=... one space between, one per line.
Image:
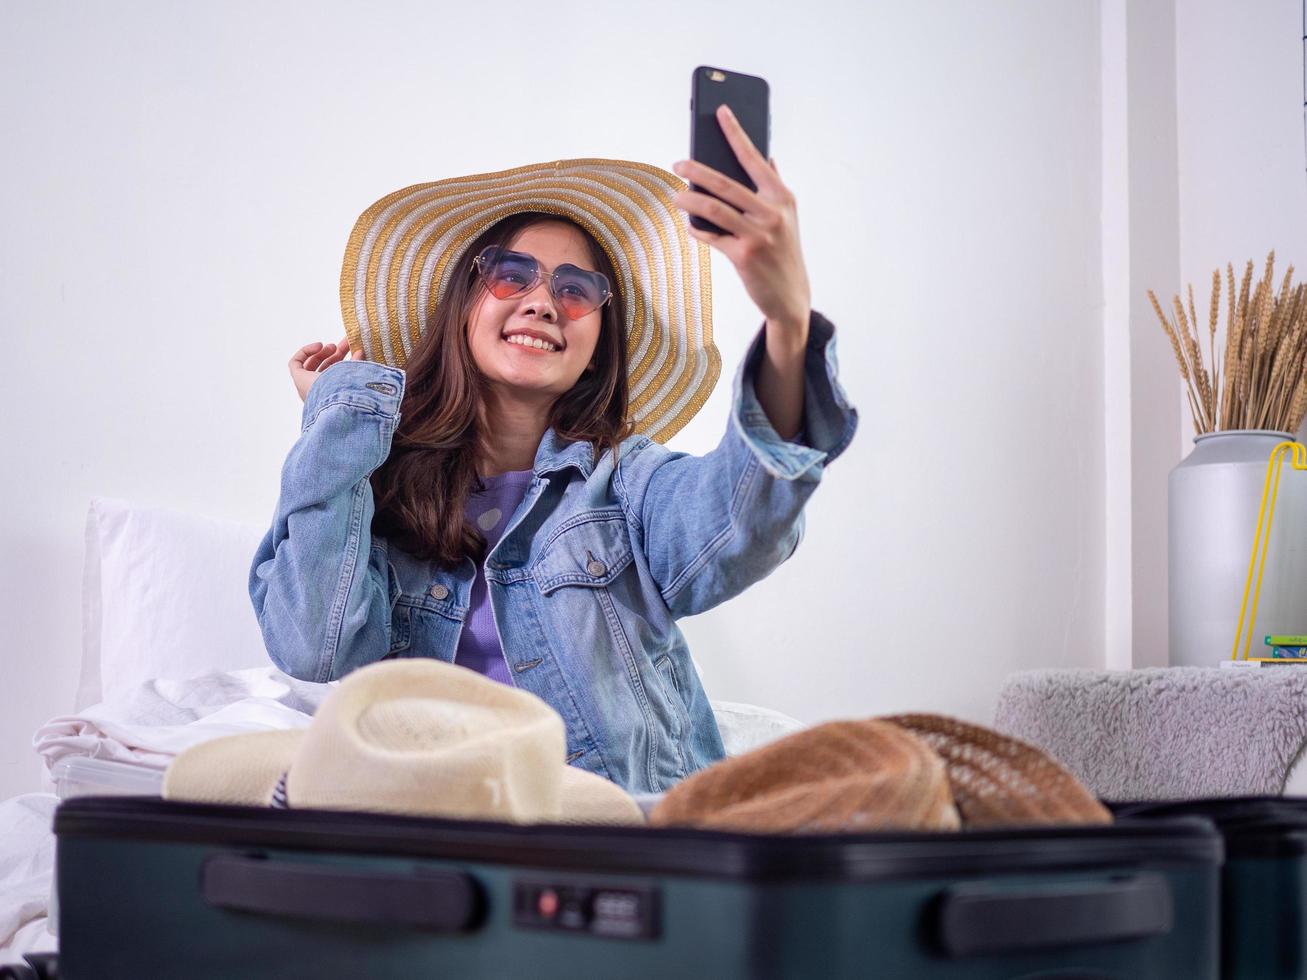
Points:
x=983 y=918
x=438 y=901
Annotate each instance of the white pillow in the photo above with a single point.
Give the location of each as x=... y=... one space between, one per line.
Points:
x=745 y=727
x=164 y=595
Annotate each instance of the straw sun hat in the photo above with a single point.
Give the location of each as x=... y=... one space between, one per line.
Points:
x=403 y=248
x=416 y=736
x=900 y=772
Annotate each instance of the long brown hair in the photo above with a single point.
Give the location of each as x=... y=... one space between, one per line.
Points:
x=422 y=487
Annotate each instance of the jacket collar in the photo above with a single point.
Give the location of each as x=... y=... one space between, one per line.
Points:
x=556 y=453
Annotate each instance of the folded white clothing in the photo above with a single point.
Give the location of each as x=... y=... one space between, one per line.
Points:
x=151 y=724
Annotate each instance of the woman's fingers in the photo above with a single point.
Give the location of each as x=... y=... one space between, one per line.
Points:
x=717 y=183
x=719 y=213
x=318 y=356
x=317 y=360
x=301 y=355
x=300 y=360
x=310 y=356
x=750 y=159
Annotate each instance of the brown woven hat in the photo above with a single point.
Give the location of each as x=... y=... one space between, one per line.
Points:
x=997 y=780
x=837 y=776
x=906 y=772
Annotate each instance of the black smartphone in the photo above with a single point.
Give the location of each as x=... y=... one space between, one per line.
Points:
x=748 y=97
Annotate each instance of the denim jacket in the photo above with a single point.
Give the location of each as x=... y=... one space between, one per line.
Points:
x=587 y=582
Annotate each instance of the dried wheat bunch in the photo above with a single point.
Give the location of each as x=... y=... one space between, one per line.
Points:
x=1260 y=381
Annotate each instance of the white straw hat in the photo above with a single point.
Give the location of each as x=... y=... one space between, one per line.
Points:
x=416 y=736
x=403 y=248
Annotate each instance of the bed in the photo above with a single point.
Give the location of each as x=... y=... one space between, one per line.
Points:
x=172 y=656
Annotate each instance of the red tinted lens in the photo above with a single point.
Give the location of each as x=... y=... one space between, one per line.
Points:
x=508 y=274
x=577 y=291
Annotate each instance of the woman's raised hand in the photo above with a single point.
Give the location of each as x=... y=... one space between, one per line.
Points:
x=762 y=232
x=311 y=360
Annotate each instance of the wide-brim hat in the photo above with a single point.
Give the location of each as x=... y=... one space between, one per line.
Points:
x=403 y=248
x=997 y=780
x=901 y=772
x=419 y=737
x=861 y=775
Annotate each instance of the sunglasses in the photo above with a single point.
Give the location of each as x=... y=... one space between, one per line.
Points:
x=508 y=274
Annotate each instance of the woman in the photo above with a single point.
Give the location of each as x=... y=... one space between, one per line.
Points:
x=521 y=516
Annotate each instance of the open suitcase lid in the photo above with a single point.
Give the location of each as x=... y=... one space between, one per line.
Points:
x=1182 y=839
x=1253 y=826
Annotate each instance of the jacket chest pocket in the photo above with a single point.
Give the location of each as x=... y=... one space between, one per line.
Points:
x=589 y=551
x=579 y=566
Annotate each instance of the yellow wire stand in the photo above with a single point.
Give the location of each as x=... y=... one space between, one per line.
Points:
x=1261 y=541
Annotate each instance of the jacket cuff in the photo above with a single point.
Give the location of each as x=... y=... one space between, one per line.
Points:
x=367 y=385
x=829 y=420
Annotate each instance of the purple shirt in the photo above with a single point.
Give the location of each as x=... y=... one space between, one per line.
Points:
x=490 y=510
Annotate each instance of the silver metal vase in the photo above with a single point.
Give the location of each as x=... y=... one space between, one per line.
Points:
x=1213 y=498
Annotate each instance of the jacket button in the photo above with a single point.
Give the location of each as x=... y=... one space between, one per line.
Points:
x=439 y=592
x=596 y=568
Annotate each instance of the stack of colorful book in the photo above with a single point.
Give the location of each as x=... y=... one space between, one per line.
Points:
x=1287 y=647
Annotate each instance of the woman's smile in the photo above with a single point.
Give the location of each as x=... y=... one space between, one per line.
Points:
x=528 y=346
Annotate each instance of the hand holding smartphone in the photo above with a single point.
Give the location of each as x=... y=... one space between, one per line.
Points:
x=749 y=98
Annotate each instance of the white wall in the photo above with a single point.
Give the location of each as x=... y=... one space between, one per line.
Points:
x=1139 y=249
x=1243 y=175
x=178 y=183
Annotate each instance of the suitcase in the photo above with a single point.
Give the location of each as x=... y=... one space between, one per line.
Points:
x=1263 y=881
x=159 y=888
